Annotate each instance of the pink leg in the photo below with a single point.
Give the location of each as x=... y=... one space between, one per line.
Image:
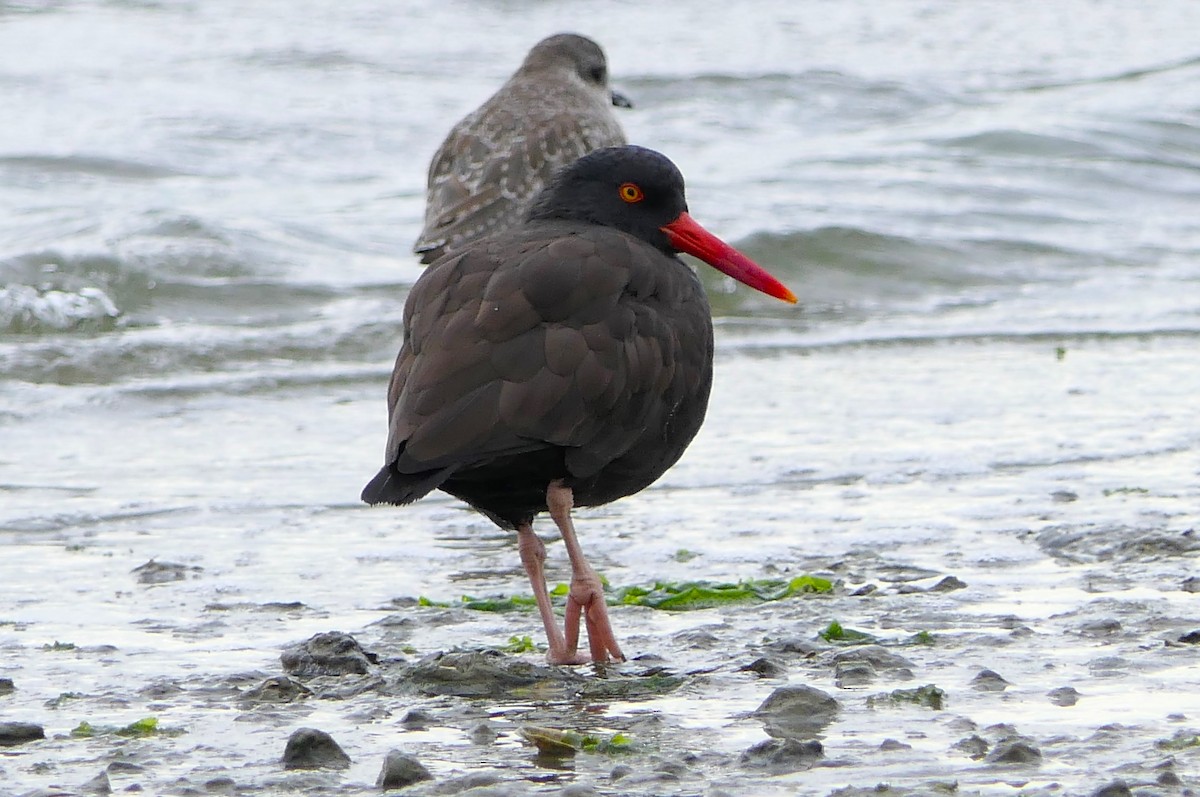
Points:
x=533 y=555
x=586 y=595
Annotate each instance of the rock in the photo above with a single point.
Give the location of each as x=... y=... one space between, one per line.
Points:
x=796 y=711
x=417 y=719
x=988 y=681
x=1168 y=778
x=880 y=658
x=330 y=653
x=221 y=785
x=309 y=748
x=482 y=733
x=974 y=746
x=485 y=673
x=1014 y=750
x=793 y=645
x=1191 y=638
x=890 y=745
x=400 y=770
x=163 y=572
x=578 y=790
x=930 y=696
x=619 y=771
x=1103 y=627
x=1118 y=788
x=97 y=785
x=1191 y=584
x=124 y=768
x=7 y=686
x=948 y=584
x=765 y=668
x=781 y=756
x=1063 y=696
x=14 y=733
x=853 y=673
x=474 y=783
x=279 y=689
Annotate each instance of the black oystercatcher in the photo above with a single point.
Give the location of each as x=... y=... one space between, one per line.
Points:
x=555 y=108
x=564 y=362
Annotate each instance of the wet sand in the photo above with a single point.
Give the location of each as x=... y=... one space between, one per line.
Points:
x=1012 y=520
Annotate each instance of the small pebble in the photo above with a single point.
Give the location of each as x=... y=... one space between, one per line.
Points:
x=97 y=785
x=1168 y=778
x=1101 y=628
x=988 y=681
x=1014 y=750
x=417 y=719
x=1065 y=696
x=797 y=711
x=400 y=770
x=781 y=756
x=1118 y=788
x=14 y=733
x=309 y=748
x=948 y=584
x=853 y=673
x=765 y=668
x=974 y=746
x=619 y=771
x=331 y=653
x=482 y=733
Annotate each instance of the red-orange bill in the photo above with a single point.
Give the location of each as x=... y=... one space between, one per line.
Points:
x=686 y=235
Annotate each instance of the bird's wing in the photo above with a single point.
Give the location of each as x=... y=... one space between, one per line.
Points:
x=518 y=344
x=495 y=161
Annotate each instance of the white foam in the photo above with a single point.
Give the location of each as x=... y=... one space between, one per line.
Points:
x=24 y=308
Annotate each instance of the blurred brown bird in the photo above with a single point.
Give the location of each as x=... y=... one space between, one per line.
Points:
x=555 y=108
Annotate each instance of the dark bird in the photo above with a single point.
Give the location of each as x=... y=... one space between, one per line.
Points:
x=564 y=362
x=555 y=108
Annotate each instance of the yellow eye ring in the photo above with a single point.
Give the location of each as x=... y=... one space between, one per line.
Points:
x=631 y=192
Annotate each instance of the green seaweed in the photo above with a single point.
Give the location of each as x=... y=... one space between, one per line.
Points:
x=651 y=685
x=499 y=604
x=665 y=595
x=59 y=646
x=519 y=644
x=690 y=595
x=1182 y=740
x=1111 y=491
x=836 y=632
x=83 y=730
x=566 y=743
x=929 y=696
x=922 y=638
x=147 y=726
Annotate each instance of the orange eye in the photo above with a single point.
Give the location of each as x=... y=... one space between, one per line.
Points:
x=631 y=192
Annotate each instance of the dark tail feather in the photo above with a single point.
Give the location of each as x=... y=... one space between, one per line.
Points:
x=392 y=487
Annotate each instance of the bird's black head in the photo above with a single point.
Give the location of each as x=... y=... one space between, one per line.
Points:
x=634 y=189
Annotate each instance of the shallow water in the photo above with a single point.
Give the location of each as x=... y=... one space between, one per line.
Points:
x=988 y=212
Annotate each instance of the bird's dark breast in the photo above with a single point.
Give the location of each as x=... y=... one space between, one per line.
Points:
x=559 y=351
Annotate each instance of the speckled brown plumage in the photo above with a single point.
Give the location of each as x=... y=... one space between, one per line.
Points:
x=554 y=109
